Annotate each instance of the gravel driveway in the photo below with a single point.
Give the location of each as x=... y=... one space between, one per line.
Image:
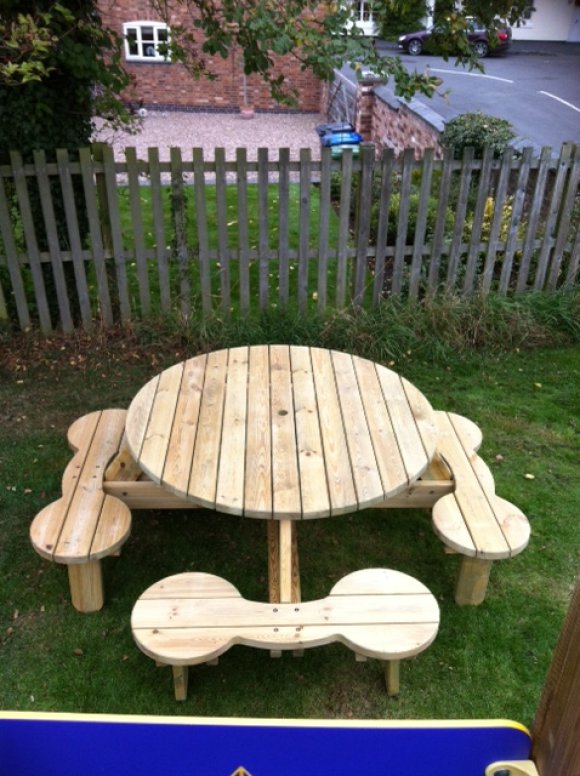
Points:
x=187 y=130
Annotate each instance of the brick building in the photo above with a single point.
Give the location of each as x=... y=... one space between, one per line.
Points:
x=162 y=84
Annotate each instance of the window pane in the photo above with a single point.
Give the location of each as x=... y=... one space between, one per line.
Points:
x=132 y=42
x=147 y=34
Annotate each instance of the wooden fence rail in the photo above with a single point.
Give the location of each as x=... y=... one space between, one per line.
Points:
x=92 y=238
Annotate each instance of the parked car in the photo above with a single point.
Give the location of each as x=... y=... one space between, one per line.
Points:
x=415 y=43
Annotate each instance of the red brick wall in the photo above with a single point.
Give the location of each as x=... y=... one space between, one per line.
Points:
x=402 y=128
x=159 y=84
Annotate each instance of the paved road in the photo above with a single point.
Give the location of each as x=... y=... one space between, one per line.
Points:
x=536 y=87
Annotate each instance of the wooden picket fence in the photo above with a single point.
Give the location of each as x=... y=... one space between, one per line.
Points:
x=92 y=238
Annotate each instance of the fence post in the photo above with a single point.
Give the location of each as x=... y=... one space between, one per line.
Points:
x=98 y=155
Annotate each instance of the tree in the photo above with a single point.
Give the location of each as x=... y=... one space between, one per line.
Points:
x=58 y=66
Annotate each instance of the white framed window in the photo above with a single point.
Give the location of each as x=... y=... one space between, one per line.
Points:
x=143 y=41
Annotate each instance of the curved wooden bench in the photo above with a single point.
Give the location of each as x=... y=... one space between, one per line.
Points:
x=192 y=618
x=472 y=520
x=85 y=524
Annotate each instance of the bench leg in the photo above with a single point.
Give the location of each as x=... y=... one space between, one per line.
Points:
x=392 y=676
x=472 y=581
x=86 y=586
x=180 y=680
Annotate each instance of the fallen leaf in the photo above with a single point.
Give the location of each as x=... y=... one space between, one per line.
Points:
x=529 y=476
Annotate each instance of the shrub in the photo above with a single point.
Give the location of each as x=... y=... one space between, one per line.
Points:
x=478 y=131
x=402 y=16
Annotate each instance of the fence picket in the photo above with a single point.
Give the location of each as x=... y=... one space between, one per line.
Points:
x=403 y=220
x=202 y=233
x=34 y=258
x=517 y=208
x=243 y=234
x=387 y=167
x=420 y=229
x=497 y=221
x=116 y=232
x=460 y=212
x=222 y=224
x=304 y=227
x=574 y=263
x=565 y=219
x=74 y=236
x=283 y=226
x=552 y=219
x=343 y=228
x=263 y=233
x=534 y=218
x=323 y=227
x=52 y=241
x=95 y=219
x=11 y=256
x=439 y=234
x=367 y=158
x=137 y=228
x=161 y=251
x=474 y=249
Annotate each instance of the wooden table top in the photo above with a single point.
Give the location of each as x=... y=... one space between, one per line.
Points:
x=281 y=431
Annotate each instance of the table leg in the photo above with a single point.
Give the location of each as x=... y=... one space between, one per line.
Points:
x=472 y=581
x=283 y=569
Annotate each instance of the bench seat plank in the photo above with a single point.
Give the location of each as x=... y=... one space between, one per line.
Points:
x=194 y=617
x=85 y=524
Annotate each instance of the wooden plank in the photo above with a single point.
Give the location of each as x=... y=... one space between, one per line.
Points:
x=97 y=247
x=58 y=276
x=403 y=220
x=202 y=228
x=161 y=417
x=515 y=221
x=285 y=559
x=116 y=233
x=13 y=264
x=206 y=456
x=137 y=229
x=343 y=228
x=473 y=252
x=573 y=263
x=567 y=204
x=31 y=243
x=258 y=484
x=323 y=229
x=367 y=157
x=161 y=250
x=285 y=473
x=304 y=227
x=460 y=211
x=179 y=216
x=222 y=224
x=283 y=226
x=231 y=474
x=388 y=458
x=403 y=401
x=556 y=744
x=421 y=227
x=313 y=484
x=243 y=236
x=138 y=417
x=263 y=230
x=551 y=220
x=387 y=162
x=74 y=236
x=497 y=220
x=439 y=234
x=361 y=453
x=184 y=430
x=339 y=475
x=534 y=218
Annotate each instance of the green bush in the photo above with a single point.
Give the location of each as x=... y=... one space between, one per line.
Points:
x=402 y=16
x=478 y=131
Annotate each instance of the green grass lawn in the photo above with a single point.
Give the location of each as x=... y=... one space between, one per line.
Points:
x=488 y=661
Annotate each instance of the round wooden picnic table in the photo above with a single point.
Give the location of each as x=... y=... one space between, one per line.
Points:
x=282 y=432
